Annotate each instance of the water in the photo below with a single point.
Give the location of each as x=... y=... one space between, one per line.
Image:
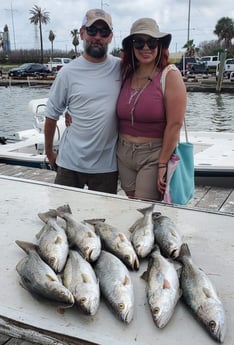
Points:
x=205 y=111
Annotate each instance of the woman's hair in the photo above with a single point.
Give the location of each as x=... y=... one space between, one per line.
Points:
x=130 y=63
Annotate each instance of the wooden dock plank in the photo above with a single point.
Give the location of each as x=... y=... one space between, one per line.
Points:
x=228 y=206
x=214 y=198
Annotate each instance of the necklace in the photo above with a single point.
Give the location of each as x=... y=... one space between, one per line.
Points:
x=137 y=93
x=133 y=93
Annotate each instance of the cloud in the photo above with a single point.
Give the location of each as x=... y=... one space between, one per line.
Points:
x=171 y=15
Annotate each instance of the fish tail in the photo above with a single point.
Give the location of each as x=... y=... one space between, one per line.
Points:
x=44 y=216
x=184 y=252
x=63 y=209
x=26 y=246
x=146 y=209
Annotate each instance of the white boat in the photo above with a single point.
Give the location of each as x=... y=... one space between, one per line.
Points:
x=213 y=151
x=26 y=148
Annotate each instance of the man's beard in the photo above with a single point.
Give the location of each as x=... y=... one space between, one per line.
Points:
x=95 y=52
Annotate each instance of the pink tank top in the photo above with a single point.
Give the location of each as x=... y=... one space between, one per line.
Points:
x=149 y=118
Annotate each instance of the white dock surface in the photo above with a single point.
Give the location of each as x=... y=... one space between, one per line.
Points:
x=209 y=235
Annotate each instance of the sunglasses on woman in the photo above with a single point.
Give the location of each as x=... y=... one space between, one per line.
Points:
x=139 y=43
x=93 y=30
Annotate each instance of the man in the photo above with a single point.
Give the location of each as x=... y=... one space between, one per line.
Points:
x=87 y=88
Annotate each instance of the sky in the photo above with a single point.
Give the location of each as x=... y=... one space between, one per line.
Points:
x=172 y=16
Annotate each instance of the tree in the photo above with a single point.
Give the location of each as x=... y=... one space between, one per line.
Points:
x=39 y=17
x=190 y=48
x=75 y=40
x=224 y=29
x=52 y=38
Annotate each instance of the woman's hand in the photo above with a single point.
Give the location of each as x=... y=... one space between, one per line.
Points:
x=68 y=119
x=161 y=182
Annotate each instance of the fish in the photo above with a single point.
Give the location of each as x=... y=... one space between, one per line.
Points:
x=39 y=278
x=116 y=242
x=162 y=288
x=200 y=295
x=80 y=234
x=52 y=242
x=116 y=285
x=79 y=277
x=142 y=234
x=167 y=235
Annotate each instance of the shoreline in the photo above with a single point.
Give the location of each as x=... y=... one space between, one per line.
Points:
x=193 y=84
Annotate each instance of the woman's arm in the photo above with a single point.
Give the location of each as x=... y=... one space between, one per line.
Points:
x=175 y=100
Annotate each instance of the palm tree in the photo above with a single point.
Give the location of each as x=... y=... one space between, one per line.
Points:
x=39 y=17
x=224 y=29
x=75 y=41
x=190 y=48
x=52 y=38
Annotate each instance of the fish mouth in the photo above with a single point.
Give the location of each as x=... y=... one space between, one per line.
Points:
x=136 y=265
x=174 y=253
x=128 y=316
x=88 y=254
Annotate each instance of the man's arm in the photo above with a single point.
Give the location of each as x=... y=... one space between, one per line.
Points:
x=49 y=130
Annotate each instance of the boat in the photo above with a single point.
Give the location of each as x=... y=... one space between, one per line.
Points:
x=26 y=148
x=213 y=151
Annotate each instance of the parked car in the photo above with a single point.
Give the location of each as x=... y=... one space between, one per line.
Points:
x=232 y=77
x=228 y=67
x=191 y=65
x=29 y=70
x=57 y=63
x=211 y=60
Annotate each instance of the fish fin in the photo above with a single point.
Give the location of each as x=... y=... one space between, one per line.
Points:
x=166 y=284
x=206 y=292
x=44 y=228
x=145 y=276
x=94 y=221
x=50 y=277
x=121 y=236
x=133 y=226
x=85 y=278
x=58 y=240
x=26 y=246
x=126 y=280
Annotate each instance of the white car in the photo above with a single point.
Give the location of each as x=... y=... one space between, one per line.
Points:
x=229 y=67
x=57 y=63
x=232 y=76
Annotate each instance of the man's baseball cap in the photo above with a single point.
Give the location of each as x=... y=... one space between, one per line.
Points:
x=97 y=14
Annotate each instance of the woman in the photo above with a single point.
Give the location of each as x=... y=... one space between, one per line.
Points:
x=149 y=119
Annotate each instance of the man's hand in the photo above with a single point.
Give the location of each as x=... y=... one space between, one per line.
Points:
x=52 y=159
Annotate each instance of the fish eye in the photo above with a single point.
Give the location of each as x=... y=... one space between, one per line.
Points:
x=83 y=300
x=127 y=257
x=156 y=310
x=212 y=325
x=121 y=306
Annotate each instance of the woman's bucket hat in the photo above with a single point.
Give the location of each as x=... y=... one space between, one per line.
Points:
x=147 y=26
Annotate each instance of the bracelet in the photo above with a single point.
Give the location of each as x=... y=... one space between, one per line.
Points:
x=162 y=166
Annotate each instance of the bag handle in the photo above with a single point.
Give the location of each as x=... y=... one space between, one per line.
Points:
x=163 y=83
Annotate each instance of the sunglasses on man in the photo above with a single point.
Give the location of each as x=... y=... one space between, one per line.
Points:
x=139 y=43
x=93 y=30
